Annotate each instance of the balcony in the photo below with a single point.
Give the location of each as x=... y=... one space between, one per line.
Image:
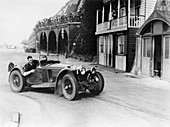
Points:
x=123 y=21
x=136 y=21
x=121 y=24
x=114 y=25
x=103 y=26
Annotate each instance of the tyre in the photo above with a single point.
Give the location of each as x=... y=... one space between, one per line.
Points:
x=69 y=87
x=99 y=80
x=17 y=81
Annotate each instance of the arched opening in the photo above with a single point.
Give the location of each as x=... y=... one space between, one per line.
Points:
x=52 y=47
x=43 y=42
x=62 y=42
x=154 y=35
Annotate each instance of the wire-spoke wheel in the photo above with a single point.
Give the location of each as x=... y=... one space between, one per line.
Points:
x=69 y=87
x=99 y=80
x=16 y=81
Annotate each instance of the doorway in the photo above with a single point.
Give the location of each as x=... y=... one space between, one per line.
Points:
x=114 y=50
x=157 y=56
x=52 y=46
x=62 y=42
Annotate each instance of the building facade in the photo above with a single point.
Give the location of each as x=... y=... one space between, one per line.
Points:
x=117 y=22
x=153 y=43
x=54 y=34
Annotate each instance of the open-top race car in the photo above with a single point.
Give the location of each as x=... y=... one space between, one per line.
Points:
x=67 y=80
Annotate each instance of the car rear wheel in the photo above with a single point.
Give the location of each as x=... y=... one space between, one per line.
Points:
x=69 y=87
x=17 y=81
x=99 y=80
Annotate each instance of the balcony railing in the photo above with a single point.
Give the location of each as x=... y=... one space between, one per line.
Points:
x=114 y=23
x=99 y=27
x=103 y=26
x=106 y=25
x=136 y=21
x=123 y=21
x=120 y=22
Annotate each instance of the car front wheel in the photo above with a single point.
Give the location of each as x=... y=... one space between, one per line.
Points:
x=99 y=80
x=16 y=81
x=69 y=87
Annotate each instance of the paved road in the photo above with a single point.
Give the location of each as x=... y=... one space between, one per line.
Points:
x=125 y=102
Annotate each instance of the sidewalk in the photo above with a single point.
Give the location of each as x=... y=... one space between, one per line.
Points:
x=149 y=81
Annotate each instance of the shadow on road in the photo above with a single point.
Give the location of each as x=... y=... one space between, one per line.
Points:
x=40 y=90
x=51 y=91
x=86 y=95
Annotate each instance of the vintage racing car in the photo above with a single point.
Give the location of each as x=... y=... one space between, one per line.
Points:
x=67 y=80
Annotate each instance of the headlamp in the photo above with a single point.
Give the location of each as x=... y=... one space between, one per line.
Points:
x=82 y=70
x=93 y=70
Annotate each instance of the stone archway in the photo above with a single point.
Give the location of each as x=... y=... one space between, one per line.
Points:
x=52 y=46
x=62 y=42
x=43 y=41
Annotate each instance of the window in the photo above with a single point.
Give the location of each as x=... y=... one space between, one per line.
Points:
x=106 y=12
x=122 y=8
x=106 y=44
x=122 y=12
x=147 y=47
x=99 y=16
x=114 y=9
x=137 y=7
x=121 y=44
x=144 y=48
x=167 y=48
x=110 y=44
x=101 y=42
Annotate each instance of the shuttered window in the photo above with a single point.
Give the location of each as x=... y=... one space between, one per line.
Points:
x=167 y=48
x=101 y=43
x=121 y=44
x=146 y=47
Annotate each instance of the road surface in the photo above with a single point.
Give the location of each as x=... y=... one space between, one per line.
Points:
x=125 y=102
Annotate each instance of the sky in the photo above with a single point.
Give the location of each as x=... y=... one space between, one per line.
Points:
x=19 y=17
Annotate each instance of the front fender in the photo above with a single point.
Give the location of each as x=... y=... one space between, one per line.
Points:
x=10 y=66
x=17 y=67
x=60 y=75
x=20 y=69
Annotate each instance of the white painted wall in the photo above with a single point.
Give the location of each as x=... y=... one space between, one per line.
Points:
x=150 y=5
x=166 y=69
x=166 y=63
x=121 y=62
x=146 y=66
x=101 y=58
